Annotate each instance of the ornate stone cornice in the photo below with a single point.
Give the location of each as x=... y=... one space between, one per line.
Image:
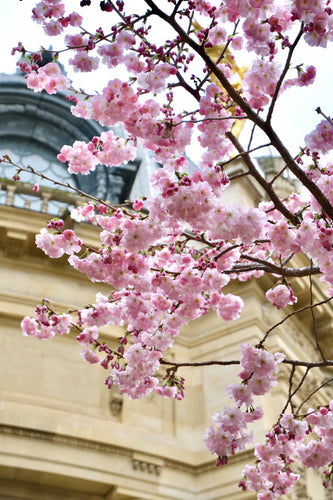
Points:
x=36 y=434
x=147 y=463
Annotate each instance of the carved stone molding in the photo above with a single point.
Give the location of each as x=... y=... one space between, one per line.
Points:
x=62 y=439
x=300 y=489
x=143 y=462
x=147 y=463
x=146 y=467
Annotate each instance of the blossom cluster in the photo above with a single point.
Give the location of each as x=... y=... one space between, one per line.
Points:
x=289 y=441
x=46 y=325
x=162 y=282
x=107 y=150
x=55 y=245
x=259 y=372
x=281 y=296
x=48 y=78
x=51 y=14
x=321 y=138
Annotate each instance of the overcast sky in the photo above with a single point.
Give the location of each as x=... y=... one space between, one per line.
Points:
x=295 y=116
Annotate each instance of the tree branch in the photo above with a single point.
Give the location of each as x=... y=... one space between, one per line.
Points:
x=289 y=272
x=253 y=116
x=262 y=181
x=314 y=319
x=293 y=362
x=283 y=74
x=314 y=392
x=292 y=314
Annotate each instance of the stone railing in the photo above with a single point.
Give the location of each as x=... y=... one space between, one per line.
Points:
x=46 y=200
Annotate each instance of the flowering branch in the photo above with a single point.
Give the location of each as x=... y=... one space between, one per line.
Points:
x=169 y=259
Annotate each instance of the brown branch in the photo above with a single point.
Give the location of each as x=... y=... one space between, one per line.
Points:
x=194 y=92
x=262 y=181
x=314 y=319
x=293 y=362
x=291 y=394
x=251 y=137
x=272 y=268
x=175 y=10
x=292 y=373
x=202 y=363
x=290 y=315
x=314 y=392
x=278 y=175
x=319 y=111
x=253 y=116
x=200 y=50
x=283 y=74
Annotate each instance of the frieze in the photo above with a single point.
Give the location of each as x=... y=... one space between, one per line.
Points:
x=62 y=439
x=146 y=464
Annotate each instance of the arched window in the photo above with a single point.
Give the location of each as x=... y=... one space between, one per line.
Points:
x=33 y=128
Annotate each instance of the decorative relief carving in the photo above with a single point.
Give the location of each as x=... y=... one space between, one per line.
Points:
x=146 y=467
x=147 y=463
x=116 y=405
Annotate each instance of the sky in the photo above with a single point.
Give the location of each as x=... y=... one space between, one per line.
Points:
x=295 y=115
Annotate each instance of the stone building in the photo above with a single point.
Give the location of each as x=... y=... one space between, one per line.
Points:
x=63 y=435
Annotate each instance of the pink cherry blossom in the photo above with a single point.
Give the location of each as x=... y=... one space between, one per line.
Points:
x=281 y=296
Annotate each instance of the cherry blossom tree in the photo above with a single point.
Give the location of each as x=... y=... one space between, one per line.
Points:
x=168 y=259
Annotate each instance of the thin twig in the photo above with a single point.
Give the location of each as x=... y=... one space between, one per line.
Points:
x=290 y=315
x=251 y=137
x=262 y=181
x=283 y=74
x=240 y=155
x=212 y=119
x=292 y=394
x=175 y=10
x=30 y=169
x=314 y=319
x=292 y=372
x=314 y=392
x=319 y=111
